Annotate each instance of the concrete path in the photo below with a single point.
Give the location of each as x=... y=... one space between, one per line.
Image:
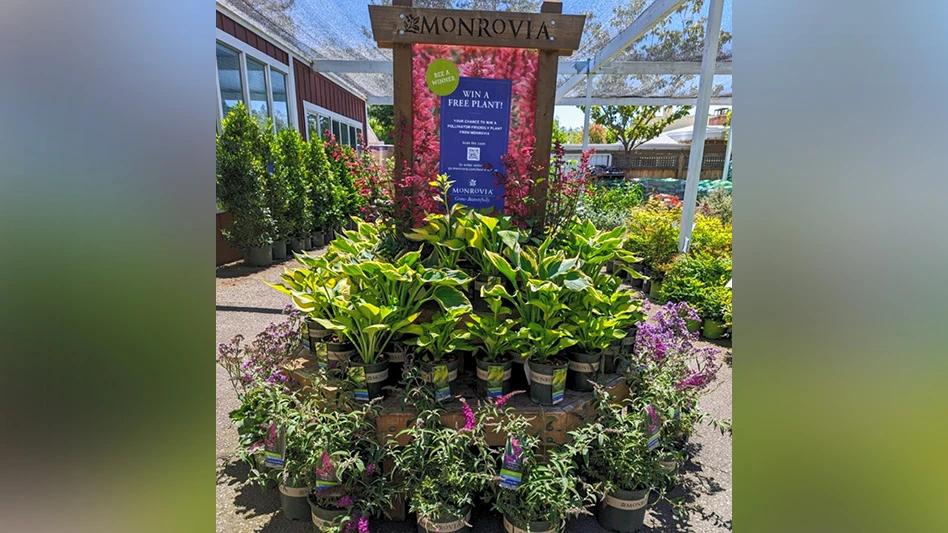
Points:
x=245 y=305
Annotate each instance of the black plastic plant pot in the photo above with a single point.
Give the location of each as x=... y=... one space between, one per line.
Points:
x=315 y=334
x=279 y=250
x=337 y=353
x=447 y=523
x=453 y=362
x=583 y=369
x=295 y=502
x=610 y=355
x=323 y=518
x=493 y=379
x=547 y=381
x=369 y=378
x=515 y=526
x=396 y=353
x=296 y=245
x=627 y=343
x=623 y=510
x=318 y=239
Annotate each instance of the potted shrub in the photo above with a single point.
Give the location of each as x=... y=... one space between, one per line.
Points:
x=442 y=469
x=436 y=344
x=344 y=461
x=622 y=307
x=312 y=288
x=548 y=491
x=712 y=309
x=617 y=454
x=290 y=163
x=276 y=191
x=240 y=175
x=295 y=479
x=691 y=278
x=498 y=337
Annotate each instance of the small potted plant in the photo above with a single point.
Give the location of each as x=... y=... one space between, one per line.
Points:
x=712 y=308
x=443 y=468
x=436 y=344
x=594 y=329
x=498 y=336
x=539 y=496
x=344 y=462
x=622 y=307
x=617 y=452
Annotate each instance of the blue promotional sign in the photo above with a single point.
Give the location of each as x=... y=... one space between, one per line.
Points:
x=475 y=126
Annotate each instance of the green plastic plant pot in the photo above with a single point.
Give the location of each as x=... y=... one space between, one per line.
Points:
x=582 y=370
x=515 y=526
x=318 y=239
x=295 y=501
x=296 y=245
x=454 y=363
x=655 y=288
x=323 y=518
x=258 y=256
x=448 y=523
x=713 y=329
x=369 y=378
x=623 y=510
x=279 y=250
x=547 y=381
x=487 y=388
x=693 y=325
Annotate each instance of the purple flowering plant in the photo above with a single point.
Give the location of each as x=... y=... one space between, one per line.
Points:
x=262 y=360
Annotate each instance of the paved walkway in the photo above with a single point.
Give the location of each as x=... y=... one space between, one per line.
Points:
x=245 y=305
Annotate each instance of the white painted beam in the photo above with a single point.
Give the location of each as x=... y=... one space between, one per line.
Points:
x=653 y=14
x=640 y=100
x=705 y=86
x=671 y=68
x=361 y=66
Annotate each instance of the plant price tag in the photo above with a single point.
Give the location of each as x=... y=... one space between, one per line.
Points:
x=559 y=384
x=274 y=454
x=511 y=472
x=439 y=376
x=654 y=425
x=357 y=373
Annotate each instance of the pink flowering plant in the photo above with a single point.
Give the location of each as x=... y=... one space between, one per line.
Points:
x=341 y=459
x=672 y=373
x=264 y=412
x=445 y=466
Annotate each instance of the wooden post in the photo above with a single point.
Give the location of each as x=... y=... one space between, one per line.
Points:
x=681 y=165
x=543 y=123
x=401 y=91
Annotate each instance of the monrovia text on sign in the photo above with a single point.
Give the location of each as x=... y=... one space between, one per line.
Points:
x=480 y=27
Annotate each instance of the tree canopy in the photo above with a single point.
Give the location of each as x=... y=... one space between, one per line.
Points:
x=633 y=125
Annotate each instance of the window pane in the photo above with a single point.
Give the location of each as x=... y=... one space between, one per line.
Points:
x=353 y=139
x=335 y=130
x=324 y=126
x=228 y=72
x=344 y=134
x=312 y=122
x=257 y=82
x=281 y=115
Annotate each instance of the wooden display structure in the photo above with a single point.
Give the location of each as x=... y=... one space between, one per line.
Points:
x=551 y=33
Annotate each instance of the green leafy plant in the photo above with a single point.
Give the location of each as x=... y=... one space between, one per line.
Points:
x=717 y=204
x=711 y=236
x=265 y=408
x=715 y=304
x=694 y=278
x=276 y=188
x=496 y=331
x=240 y=174
x=441 y=336
x=488 y=234
x=320 y=186
x=290 y=156
x=653 y=235
x=590 y=323
x=608 y=207
x=444 y=232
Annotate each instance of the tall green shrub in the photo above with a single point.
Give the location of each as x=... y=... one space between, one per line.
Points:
x=276 y=190
x=321 y=178
x=240 y=174
x=290 y=155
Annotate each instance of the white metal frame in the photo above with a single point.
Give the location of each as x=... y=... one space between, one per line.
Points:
x=367 y=66
x=244 y=51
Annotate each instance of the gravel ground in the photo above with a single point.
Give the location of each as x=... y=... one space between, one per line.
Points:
x=245 y=305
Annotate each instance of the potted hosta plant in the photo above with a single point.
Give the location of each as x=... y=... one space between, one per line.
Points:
x=344 y=462
x=712 y=308
x=443 y=231
x=498 y=337
x=436 y=344
x=593 y=329
x=486 y=234
x=442 y=469
x=622 y=307
x=539 y=496
x=618 y=455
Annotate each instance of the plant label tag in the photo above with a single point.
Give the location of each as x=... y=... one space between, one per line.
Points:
x=511 y=471
x=495 y=381
x=654 y=425
x=439 y=376
x=357 y=373
x=304 y=332
x=274 y=454
x=559 y=384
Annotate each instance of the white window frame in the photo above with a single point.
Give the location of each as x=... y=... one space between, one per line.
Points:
x=244 y=51
x=311 y=108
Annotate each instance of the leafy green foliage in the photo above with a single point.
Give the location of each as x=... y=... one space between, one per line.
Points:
x=699 y=279
x=441 y=336
x=711 y=236
x=653 y=234
x=633 y=125
x=240 y=175
x=609 y=207
x=320 y=186
x=717 y=204
x=382 y=122
x=290 y=155
x=496 y=331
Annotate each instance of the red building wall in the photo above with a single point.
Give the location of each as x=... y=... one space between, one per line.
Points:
x=317 y=89
x=229 y=25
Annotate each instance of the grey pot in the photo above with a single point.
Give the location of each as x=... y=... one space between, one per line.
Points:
x=259 y=256
x=318 y=238
x=296 y=245
x=279 y=250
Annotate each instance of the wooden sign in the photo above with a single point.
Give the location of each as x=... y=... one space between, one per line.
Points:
x=418 y=37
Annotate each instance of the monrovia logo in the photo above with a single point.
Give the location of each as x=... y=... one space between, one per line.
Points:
x=475 y=27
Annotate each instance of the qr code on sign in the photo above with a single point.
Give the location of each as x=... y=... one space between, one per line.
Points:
x=473 y=154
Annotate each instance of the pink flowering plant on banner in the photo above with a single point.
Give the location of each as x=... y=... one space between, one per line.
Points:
x=446 y=460
x=674 y=372
x=341 y=460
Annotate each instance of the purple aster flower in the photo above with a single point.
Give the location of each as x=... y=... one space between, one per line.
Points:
x=345 y=501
